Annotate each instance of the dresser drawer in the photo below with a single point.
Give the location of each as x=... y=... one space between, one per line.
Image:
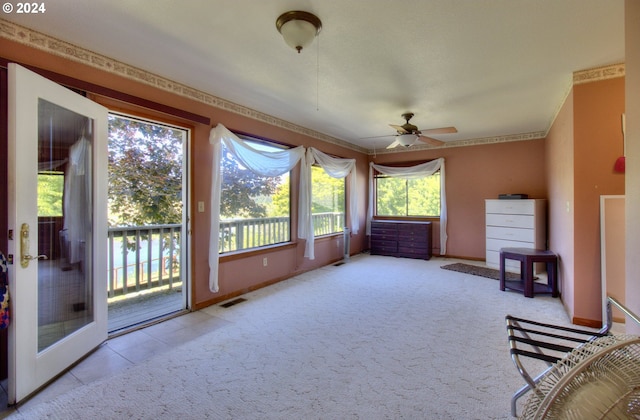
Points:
x=510 y=206
x=423 y=255
x=510 y=220
x=384 y=236
x=412 y=239
x=498 y=244
x=511 y=234
x=410 y=249
x=381 y=245
x=415 y=229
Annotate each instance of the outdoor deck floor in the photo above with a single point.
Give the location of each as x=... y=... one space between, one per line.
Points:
x=143 y=307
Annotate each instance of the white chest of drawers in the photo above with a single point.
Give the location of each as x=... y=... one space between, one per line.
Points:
x=514 y=223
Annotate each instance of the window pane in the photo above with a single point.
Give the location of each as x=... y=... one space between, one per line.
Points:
x=391 y=196
x=327 y=202
x=254 y=210
x=50 y=189
x=400 y=197
x=424 y=196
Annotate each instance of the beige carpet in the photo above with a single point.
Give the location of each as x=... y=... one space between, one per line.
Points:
x=375 y=338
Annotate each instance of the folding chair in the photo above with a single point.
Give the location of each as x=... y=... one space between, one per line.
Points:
x=549 y=344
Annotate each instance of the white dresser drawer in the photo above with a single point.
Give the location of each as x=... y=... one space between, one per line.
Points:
x=510 y=220
x=511 y=206
x=511 y=234
x=498 y=244
x=493 y=261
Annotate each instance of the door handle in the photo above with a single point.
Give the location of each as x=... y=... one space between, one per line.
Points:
x=24 y=247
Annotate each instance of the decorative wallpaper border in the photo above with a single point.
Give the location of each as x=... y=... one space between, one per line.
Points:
x=598 y=73
x=38 y=40
x=469 y=142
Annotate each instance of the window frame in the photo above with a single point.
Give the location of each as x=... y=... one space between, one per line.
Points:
x=377 y=175
x=256 y=250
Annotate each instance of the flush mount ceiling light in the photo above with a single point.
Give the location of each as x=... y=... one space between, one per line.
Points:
x=407 y=140
x=298 y=28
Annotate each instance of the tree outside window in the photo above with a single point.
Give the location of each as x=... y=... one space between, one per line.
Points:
x=408 y=198
x=50 y=190
x=327 y=202
x=254 y=210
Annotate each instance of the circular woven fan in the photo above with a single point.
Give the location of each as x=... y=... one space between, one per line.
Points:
x=598 y=380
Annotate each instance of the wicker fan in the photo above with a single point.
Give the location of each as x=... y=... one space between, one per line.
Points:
x=596 y=381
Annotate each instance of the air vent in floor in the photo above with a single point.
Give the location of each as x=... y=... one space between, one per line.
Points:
x=233 y=302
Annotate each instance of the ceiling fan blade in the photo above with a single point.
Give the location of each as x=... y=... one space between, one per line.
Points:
x=430 y=141
x=441 y=130
x=377 y=137
x=395 y=144
x=399 y=129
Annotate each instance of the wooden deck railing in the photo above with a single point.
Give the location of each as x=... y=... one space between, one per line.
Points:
x=147 y=257
x=143 y=257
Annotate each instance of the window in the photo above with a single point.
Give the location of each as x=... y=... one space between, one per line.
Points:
x=50 y=190
x=408 y=198
x=254 y=210
x=327 y=202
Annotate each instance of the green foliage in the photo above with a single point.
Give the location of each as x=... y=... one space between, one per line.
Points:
x=145 y=173
x=328 y=192
x=50 y=190
x=400 y=197
x=244 y=194
x=281 y=200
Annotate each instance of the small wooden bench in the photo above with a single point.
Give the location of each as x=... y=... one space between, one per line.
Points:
x=527 y=258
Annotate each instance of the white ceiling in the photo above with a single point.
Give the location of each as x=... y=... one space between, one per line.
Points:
x=488 y=67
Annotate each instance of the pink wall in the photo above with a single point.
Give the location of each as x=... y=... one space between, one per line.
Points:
x=560 y=180
x=632 y=181
x=475 y=173
x=598 y=107
x=583 y=144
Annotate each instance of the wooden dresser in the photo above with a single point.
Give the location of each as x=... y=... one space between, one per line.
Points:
x=514 y=223
x=401 y=239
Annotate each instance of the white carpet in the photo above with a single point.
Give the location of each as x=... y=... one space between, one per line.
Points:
x=375 y=338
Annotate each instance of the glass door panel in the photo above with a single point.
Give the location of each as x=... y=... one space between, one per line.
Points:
x=65 y=293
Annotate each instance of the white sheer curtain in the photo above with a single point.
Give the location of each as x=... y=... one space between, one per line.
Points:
x=336 y=168
x=77 y=198
x=260 y=162
x=413 y=172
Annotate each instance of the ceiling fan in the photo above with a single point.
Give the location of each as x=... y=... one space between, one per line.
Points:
x=408 y=134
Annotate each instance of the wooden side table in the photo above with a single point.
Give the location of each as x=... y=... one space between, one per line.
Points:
x=527 y=258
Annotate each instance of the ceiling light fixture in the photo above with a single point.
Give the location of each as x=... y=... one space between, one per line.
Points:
x=298 y=28
x=406 y=140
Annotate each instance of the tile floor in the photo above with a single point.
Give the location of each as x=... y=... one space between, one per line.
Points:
x=122 y=352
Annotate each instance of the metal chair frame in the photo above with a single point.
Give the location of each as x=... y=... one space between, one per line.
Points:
x=549 y=343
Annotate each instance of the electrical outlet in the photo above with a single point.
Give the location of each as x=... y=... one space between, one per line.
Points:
x=265 y=262
x=201 y=206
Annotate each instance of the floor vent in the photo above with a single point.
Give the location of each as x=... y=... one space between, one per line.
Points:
x=233 y=302
x=338 y=264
